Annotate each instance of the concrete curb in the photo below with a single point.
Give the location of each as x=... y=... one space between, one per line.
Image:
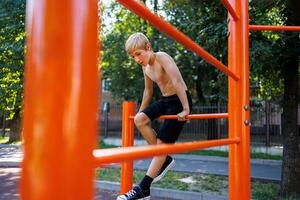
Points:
x=165 y=193
x=10 y=145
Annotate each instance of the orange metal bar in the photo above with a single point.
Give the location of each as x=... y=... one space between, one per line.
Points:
x=273 y=28
x=238 y=108
x=195 y=116
x=198 y=116
x=230 y=9
x=127 y=141
x=60 y=106
x=170 y=30
x=113 y=155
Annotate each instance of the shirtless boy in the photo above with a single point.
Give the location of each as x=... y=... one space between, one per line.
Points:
x=159 y=68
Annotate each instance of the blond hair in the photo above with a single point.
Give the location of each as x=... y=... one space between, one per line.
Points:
x=136 y=41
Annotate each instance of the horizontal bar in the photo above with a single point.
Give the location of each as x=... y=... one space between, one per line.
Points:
x=115 y=155
x=198 y=116
x=194 y=116
x=172 y=32
x=230 y=9
x=273 y=28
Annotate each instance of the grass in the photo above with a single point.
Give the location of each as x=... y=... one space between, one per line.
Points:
x=3 y=140
x=265 y=191
x=195 y=182
x=198 y=182
x=254 y=155
x=103 y=145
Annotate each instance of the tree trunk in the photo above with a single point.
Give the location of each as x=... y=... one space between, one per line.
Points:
x=200 y=76
x=15 y=127
x=155 y=41
x=3 y=124
x=290 y=176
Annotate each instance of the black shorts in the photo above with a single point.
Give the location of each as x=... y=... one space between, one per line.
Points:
x=170 y=105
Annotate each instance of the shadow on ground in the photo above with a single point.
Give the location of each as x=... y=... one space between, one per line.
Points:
x=9 y=179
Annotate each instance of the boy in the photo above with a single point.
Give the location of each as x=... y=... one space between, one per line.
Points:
x=160 y=68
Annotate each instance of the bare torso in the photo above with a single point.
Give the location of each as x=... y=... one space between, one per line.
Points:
x=157 y=74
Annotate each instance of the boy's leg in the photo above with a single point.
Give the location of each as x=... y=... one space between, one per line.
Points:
x=142 y=191
x=143 y=124
x=156 y=163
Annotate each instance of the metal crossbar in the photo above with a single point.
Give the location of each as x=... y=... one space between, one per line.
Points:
x=230 y=9
x=115 y=155
x=273 y=28
x=195 y=116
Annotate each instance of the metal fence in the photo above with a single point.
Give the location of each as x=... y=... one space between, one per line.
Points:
x=265 y=124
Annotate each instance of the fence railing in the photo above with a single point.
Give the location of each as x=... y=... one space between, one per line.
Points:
x=265 y=123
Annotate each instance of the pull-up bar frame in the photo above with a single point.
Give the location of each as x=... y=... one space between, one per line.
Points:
x=61 y=90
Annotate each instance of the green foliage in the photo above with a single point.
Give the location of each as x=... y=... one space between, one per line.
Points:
x=208 y=27
x=265 y=50
x=124 y=75
x=206 y=23
x=12 y=41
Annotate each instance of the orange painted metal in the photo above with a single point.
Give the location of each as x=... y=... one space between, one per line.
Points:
x=172 y=32
x=238 y=98
x=60 y=106
x=273 y=28
x=195 y=116
x=230 y=9
x=103 y=156
x=127 y=141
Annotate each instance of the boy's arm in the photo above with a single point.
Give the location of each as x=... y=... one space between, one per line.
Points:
x=148 y=92
x=172 y=70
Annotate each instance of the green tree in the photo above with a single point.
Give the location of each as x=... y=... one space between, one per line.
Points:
x=12 y=37
x=204 y=81
x=264 y=46
x=206 y=23
x=123 y=74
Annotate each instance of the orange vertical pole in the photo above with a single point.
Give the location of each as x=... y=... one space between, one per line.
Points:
x=60 y=106
x=127 y=141
x=238 y=108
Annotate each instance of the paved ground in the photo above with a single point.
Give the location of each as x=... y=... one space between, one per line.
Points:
x=11 y=156
x=9 y=178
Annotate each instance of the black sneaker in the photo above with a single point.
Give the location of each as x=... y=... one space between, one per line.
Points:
x=168 y=164
x=135 y=194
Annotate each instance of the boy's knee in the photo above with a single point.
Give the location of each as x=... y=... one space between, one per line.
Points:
x=140 y=119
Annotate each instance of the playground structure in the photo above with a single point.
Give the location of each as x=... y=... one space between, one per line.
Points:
x=61 y=97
